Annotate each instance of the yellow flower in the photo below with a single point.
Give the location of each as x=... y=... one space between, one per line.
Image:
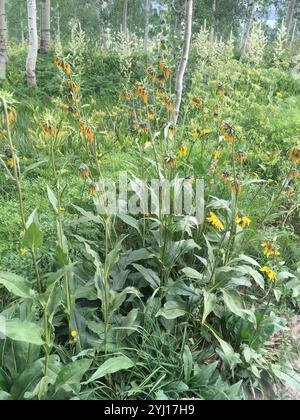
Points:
x=182 y=151
x=241 y=157
x=170 y=162
x=23 y=251
x=270 y=249
x=295 y=155
x=74 y=334
x=228 y=133
x=270 y=273
x=169 y=105
x=151 y=115
x=217 y=154
x=225 y=175
x=10 y=163
x=242 y=221
x=215 y=221
x=61 y=210
x=288 y=191
x=197 y=101
x=294 y=173
x=279 y=94
x=166 y=71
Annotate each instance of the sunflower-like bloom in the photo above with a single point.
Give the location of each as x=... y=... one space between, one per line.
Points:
x=134 y=124
x=92 y=187
x=183 y=150
x=294 y=173
x=197 y=101
x=217 y=154
x=73 y=110
x=143 y=127
x=215 y=221
x=190 y=179
x=49 y=129
x=198 y=132
x=161 y=92
x=288 y=191
x=170 y=162
x=10 y=163
x=87 y=130
x=73 y=86
x=220 y=89
x=228 y=132
x=270 y=273
x=294 y=155
x=151 y=115
x=169 y=105
x=243 y=221
x=225 y=175
x=141 y=92
x=12 y=114
x=270 y=249
x=63 y=65
x=166 y=71
x=84 y=171
x=127 y=96
x=241 y=157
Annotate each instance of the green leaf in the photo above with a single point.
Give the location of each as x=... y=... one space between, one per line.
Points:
x=52 y=199
x=130 y=221
x=191 y=273
x=149 y=275
x=187 y=363
x=33 y=237
x=233 y=303
x=210 y=301
x=112 y=365
x=230 y=357
x=172 y=310
x=24 y=331
x=4 y=396
x=287 y=376
x=72 y=374
x=17 y=285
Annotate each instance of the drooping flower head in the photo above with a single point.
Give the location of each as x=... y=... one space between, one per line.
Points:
x=215 y=221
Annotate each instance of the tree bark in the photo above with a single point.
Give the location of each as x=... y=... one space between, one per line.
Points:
x=45 y=26
x=33 y=44
x=184 y=59
x=3 y=40
x=146 y=35
x=58 y=32
x=290 y=16
x=212 y=29
x=248 y=27
x=125 y=17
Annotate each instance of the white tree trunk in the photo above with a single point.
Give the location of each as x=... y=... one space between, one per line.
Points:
x=248 y=27
x=45 y=26
x=125 y=17
x=22 y=26
x=212 y=29
x=146 y=36
x=294 y=32
x=33 y=43
x=58 y=32
x=3 y=40
x=290 y=16
x=184 y=59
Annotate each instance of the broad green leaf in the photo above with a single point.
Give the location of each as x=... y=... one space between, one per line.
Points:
x=72 y=374
x=210 y=301
x=24 y=331
x=4 y=396
x=137 y=255
x=172 y=310
x=187 y=363
x=17 y=285
x=149 y=275
x=287 y=376
x=112 y=365
x=130 y=221
x=192 y=274
x=230 y=357
x=233 y=303
x=52 y=199
x=33 y=237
